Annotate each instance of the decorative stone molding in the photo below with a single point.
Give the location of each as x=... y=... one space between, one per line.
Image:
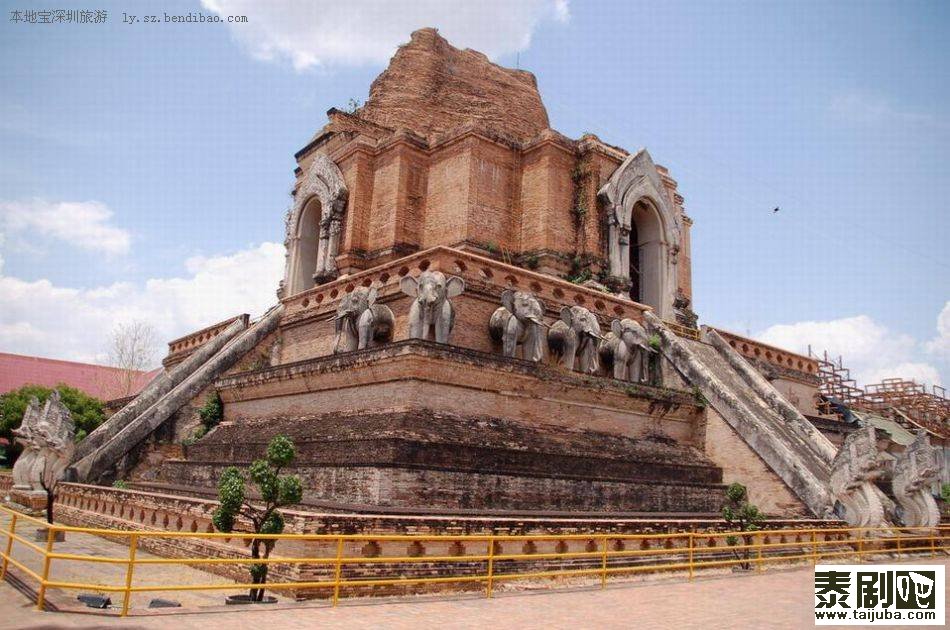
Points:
x=637 y=179
x=323 y=182
x=915 y=471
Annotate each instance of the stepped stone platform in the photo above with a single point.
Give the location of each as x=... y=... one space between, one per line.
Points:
x=389 y=428
x=402 y=459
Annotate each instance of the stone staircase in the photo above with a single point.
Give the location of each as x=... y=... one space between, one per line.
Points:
x=98 y=454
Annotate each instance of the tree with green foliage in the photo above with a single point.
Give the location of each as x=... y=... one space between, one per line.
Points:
x=740 y=515
x=945 y=492
x=87 y=412
x=275 y=491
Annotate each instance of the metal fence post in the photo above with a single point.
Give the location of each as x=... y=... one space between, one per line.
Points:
x=133 y=546
x=338 y=570
x=6 y=557
x=758 y=556
x=814 y=547
x=861 y=546
x=491 y=565
x=933 y=545
x=691 y=546
x=603 y=564
x=898 y=544
x=41 y=595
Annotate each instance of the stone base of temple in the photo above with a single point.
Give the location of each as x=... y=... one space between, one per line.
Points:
x=30 y=501
x=397 y=429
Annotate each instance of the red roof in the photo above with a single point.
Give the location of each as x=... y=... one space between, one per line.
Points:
x=101 y=381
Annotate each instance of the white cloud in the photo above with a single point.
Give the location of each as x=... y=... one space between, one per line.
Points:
x=83 y=224
x=870 y=109
x=869 y=349
x=39 y=318
x=328 y=32
x=940 y=345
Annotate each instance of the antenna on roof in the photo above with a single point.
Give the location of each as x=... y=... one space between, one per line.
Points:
x=518 y=62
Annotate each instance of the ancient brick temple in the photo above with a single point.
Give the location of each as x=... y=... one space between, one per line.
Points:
x=480 y=314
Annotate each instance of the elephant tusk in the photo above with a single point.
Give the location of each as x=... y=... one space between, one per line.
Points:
x=540 y=323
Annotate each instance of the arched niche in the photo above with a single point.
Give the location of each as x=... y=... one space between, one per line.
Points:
x=307 y=244
x=643 y=234
x=313 y=227
x=648 y=253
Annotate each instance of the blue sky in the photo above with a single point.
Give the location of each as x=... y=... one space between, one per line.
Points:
x=145 y=168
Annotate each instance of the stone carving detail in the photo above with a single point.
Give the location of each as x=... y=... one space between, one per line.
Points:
x=576 y=335
x=431 y=309
x=519 y=322
x=48 y=437
x=626 y=350
x=634 y=180
x=915 y=471
x=325 y=182
x=361 y=322
x=853 y=472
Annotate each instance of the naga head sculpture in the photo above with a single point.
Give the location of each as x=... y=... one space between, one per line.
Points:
x=431 y=289
x=525 y=307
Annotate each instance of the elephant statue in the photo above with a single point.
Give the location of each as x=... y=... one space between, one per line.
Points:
x=577 y=334
x=519 y=321
x=626 y=350
x=431 y=309
x=360 y=322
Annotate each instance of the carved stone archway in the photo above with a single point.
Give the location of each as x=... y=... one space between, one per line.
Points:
x=634 y=196
x=322 y=194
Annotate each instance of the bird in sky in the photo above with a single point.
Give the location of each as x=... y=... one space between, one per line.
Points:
x=775 y=210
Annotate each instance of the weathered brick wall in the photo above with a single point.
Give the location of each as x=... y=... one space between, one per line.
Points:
x=740 y=464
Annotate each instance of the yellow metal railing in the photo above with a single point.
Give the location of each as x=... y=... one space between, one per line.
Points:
x=683 y=552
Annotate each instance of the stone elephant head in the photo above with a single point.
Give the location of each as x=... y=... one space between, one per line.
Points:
x=431 y=309
x=626 y=350
x=360 y=322
x=519 y=321
x=577 y=334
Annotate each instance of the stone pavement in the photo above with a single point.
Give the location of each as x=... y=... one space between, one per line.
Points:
x=776 y=599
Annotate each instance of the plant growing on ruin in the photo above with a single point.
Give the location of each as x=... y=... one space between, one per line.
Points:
x=945 y=492
x=276 y=491
x=120 y=484
x=531 y=261
x=740 y=515
x=212 y=412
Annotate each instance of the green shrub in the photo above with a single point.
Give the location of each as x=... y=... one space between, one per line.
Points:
x=276 y=491
x=120 y=484
x=212 y=412
x=945 y=492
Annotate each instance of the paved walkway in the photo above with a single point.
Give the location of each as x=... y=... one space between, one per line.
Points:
x=777 y=599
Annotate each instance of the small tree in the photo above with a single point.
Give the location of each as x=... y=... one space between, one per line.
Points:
x=741 y=515
x=276 y=491
x=131 y=349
